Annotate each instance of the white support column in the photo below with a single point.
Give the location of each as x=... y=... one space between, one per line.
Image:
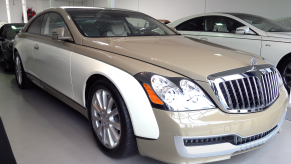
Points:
x=24 y=11
x=8 y=11
x=111 y=3
x=52 y=3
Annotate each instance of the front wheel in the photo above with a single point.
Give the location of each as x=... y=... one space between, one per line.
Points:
x=110 y=121
x=20 y=75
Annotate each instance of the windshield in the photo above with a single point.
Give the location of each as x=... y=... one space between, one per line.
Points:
x=11 y=30
x=264 y=24
x=112 y=23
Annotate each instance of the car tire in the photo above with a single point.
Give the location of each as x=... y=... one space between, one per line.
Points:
x=20 y=75
x=285 y=71
x=104 y=119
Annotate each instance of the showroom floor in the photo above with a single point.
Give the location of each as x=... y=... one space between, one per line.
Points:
x=43 y=130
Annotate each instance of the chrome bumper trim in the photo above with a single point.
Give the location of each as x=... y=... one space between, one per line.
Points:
x=222 y=148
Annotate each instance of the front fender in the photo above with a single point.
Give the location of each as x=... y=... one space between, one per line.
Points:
x=141 y=113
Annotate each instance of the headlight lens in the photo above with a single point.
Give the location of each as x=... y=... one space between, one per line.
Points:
x=189 y=97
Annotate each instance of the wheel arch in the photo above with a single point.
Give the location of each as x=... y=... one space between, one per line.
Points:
x=134 y=113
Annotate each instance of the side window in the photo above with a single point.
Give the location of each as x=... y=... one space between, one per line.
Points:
x=35 y=26
x=51 y=22
x=221 y=24
x=195 y=24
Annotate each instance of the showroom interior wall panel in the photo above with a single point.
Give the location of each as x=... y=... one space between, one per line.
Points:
x=171 y=9
x=3 y=14
x=127 y=4
x=97 y=3
x=266 y=8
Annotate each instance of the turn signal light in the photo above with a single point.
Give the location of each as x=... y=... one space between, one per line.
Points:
x=154 y=98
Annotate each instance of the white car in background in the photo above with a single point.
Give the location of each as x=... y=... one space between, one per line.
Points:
x=254 y=34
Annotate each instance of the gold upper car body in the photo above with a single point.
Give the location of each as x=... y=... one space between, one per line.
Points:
x=244 y=102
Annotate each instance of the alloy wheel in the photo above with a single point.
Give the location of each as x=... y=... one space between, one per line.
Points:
x=105 y=118
x=18 y=70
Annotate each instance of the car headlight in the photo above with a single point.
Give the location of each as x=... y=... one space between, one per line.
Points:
x=178 y=94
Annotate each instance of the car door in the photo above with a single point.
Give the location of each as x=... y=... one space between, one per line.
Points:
x=53 y=57
x=26 y=45
x=191 y=28
x=222 y=30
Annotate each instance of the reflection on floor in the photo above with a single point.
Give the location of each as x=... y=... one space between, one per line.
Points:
x=43 y=130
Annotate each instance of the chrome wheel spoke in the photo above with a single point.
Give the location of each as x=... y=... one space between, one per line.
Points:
x=95 y=104
x=109 y=138
x=113 y=134
x=113 y=112
x=99 y=99
x=104 y=98
x=110 y=104
x=115 y=124
x=104 y=136
x=98 y=130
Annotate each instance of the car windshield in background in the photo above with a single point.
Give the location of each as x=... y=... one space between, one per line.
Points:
x=264 y=24
x=112 y=23
x=11 y=30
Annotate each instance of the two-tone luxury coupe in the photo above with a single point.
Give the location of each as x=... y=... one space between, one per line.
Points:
x=143 y=86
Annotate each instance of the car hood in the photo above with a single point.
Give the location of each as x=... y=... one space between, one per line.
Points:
x=182 y=55
x=286 y=35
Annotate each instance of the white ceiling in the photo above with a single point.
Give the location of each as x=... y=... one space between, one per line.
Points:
x=69 y=0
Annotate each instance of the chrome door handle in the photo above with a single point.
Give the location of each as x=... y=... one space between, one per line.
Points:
x=36 y=47
x=203 y=39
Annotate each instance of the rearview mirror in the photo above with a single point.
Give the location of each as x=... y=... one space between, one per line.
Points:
x=244 y=30
x=61 y=34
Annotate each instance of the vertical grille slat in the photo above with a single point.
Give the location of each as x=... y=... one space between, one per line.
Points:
x=250 y=93
x=241 y=95
x=257 y=91
x=270 y=87
x=236 y=104
x=229 y=98
x=249 y=104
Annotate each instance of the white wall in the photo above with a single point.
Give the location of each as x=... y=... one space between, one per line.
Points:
x=175 y=9
x=97 y=3
x=37 y=6
x=165 y=9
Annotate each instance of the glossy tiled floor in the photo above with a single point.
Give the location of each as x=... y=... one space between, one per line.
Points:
x=43 y=130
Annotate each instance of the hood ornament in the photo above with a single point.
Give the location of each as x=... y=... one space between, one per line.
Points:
x=253 y=63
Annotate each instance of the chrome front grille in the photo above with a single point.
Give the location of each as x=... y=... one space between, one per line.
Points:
x=247 y=92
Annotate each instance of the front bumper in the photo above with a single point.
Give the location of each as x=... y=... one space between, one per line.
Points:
x=222 y=148
x=175 y=126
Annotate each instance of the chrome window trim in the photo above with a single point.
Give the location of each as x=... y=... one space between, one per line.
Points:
x=220 y=149
x=266 y=84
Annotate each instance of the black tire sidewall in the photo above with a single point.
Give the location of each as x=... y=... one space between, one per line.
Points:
x=123 y=113
x=281 y=69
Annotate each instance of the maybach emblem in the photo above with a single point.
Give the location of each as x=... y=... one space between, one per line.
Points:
x=253 y=63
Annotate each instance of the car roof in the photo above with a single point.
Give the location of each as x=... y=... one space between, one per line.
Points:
x=78 y=8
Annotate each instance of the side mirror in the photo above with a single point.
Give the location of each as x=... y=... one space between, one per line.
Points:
x=244 y=30
x=61 y=34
